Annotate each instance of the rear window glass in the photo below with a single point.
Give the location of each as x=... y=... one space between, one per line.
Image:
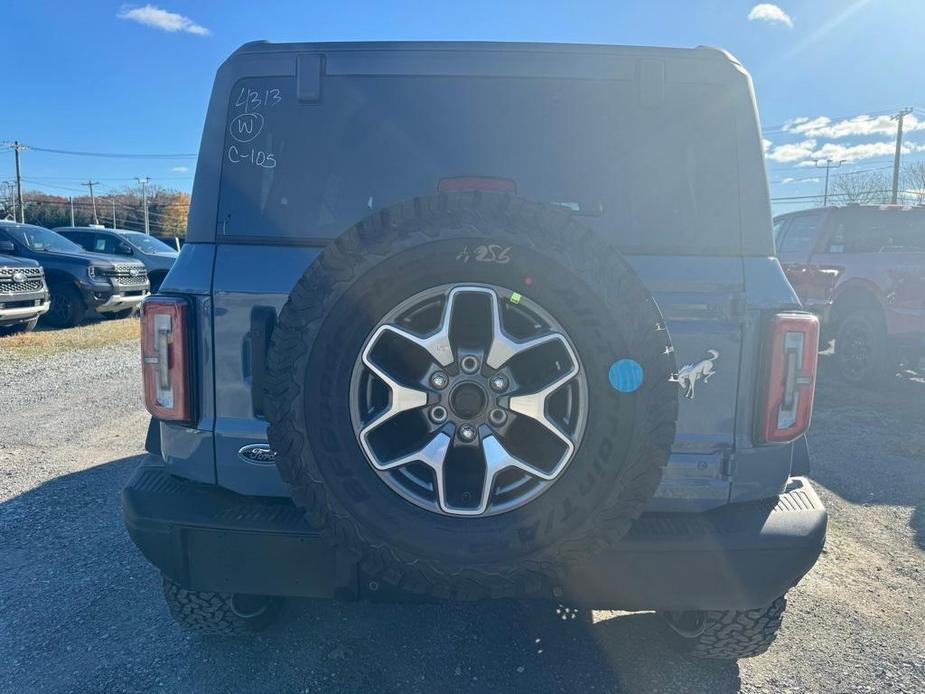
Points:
x=878 y=231
x=800 y=234
x=661 y=179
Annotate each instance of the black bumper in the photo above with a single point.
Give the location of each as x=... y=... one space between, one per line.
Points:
x=736 y=557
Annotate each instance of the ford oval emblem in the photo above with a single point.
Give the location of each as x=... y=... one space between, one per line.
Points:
x=257 y=453
x=19 y=276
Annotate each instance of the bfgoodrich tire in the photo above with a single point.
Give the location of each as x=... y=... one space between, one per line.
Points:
x=209 y=612
x=475 y=241
x=727 y=635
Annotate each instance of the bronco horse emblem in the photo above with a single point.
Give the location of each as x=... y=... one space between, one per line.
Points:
x=701 y=371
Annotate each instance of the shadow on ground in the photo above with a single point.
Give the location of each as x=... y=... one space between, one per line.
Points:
x=867 y=443
x=82 y=611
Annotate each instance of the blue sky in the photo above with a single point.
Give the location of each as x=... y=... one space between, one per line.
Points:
x=105 y=76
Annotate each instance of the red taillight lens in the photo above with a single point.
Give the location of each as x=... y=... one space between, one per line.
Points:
x=463 y=183
x=788 y=404
x=165 y=359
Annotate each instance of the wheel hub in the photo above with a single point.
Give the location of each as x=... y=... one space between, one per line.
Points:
x=467 y=401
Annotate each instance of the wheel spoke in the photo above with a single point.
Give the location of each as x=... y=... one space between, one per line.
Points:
x=533 y=405
x=401 y=397
x=503 y=347
x=437 y=344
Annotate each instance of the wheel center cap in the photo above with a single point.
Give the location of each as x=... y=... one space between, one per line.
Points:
x=468 y=400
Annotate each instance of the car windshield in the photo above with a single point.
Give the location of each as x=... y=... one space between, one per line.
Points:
x=145 y=243
x=42 y=239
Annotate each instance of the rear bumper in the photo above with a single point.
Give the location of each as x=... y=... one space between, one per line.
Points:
x=736 y=557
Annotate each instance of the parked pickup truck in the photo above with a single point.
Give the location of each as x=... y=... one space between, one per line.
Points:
x=452 y=323
x=156 y=255
x=23 y=292
x=861 y=269
x=80 y=283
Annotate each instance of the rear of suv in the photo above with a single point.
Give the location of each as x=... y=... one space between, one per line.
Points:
x=23 y=293
x=82 y=284
x=445 y=327
x=861 y=269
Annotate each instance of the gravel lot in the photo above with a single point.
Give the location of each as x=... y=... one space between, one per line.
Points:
x=81 y=611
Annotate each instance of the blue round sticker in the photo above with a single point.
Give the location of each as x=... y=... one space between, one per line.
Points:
x=626 y=375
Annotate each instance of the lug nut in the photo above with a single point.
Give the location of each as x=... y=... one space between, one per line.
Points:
x=467 y=432
x=499 y=383
x=438 y=414
x=438 y=380
x=469 y=364
x=497 y=416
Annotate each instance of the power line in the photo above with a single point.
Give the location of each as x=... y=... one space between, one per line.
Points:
x=116 y=155
x=832 y=119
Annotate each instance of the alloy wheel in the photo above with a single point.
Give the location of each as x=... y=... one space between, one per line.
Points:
x=468 y=400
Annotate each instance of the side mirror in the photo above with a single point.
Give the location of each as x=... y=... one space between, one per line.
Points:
x=7 y=246
x=125 y=249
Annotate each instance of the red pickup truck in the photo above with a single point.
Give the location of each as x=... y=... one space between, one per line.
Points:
x=861 y=269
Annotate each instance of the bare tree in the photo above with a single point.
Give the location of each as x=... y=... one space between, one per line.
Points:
x=7 y=200
x=862 y=187
x=914 y=182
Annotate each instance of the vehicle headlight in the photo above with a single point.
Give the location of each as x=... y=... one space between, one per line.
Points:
x=97 y=273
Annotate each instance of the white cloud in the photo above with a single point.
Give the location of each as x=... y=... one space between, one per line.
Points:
x=767 y=12
x=791 y=152
x=825 y=127
x=791 y=179
x=180 y=169
x=153 y=16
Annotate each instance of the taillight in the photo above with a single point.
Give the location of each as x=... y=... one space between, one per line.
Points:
x=463 y=183
x=788 y=402
x=165 y=358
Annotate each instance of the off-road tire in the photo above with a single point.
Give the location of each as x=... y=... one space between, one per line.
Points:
x=208 y=612
x=733 y=634
x=527 y=551
x=867 y=326
x=67 y=307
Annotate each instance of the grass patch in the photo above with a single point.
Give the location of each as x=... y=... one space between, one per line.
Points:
x=43 y=342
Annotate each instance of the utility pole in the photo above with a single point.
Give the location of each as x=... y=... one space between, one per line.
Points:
x=18 y=147
x=90 y=184
x=828 y=164
x=71 y=200
x=113 y=201
x=898 y=117
x=143 y=180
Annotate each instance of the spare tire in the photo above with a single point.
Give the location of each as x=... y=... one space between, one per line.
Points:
x=471 y=393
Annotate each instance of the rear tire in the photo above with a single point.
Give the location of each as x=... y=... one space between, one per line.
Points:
x=861 y=349
x=67 y=307
x=727 y=635
x=208 y=612
x=26 y=327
